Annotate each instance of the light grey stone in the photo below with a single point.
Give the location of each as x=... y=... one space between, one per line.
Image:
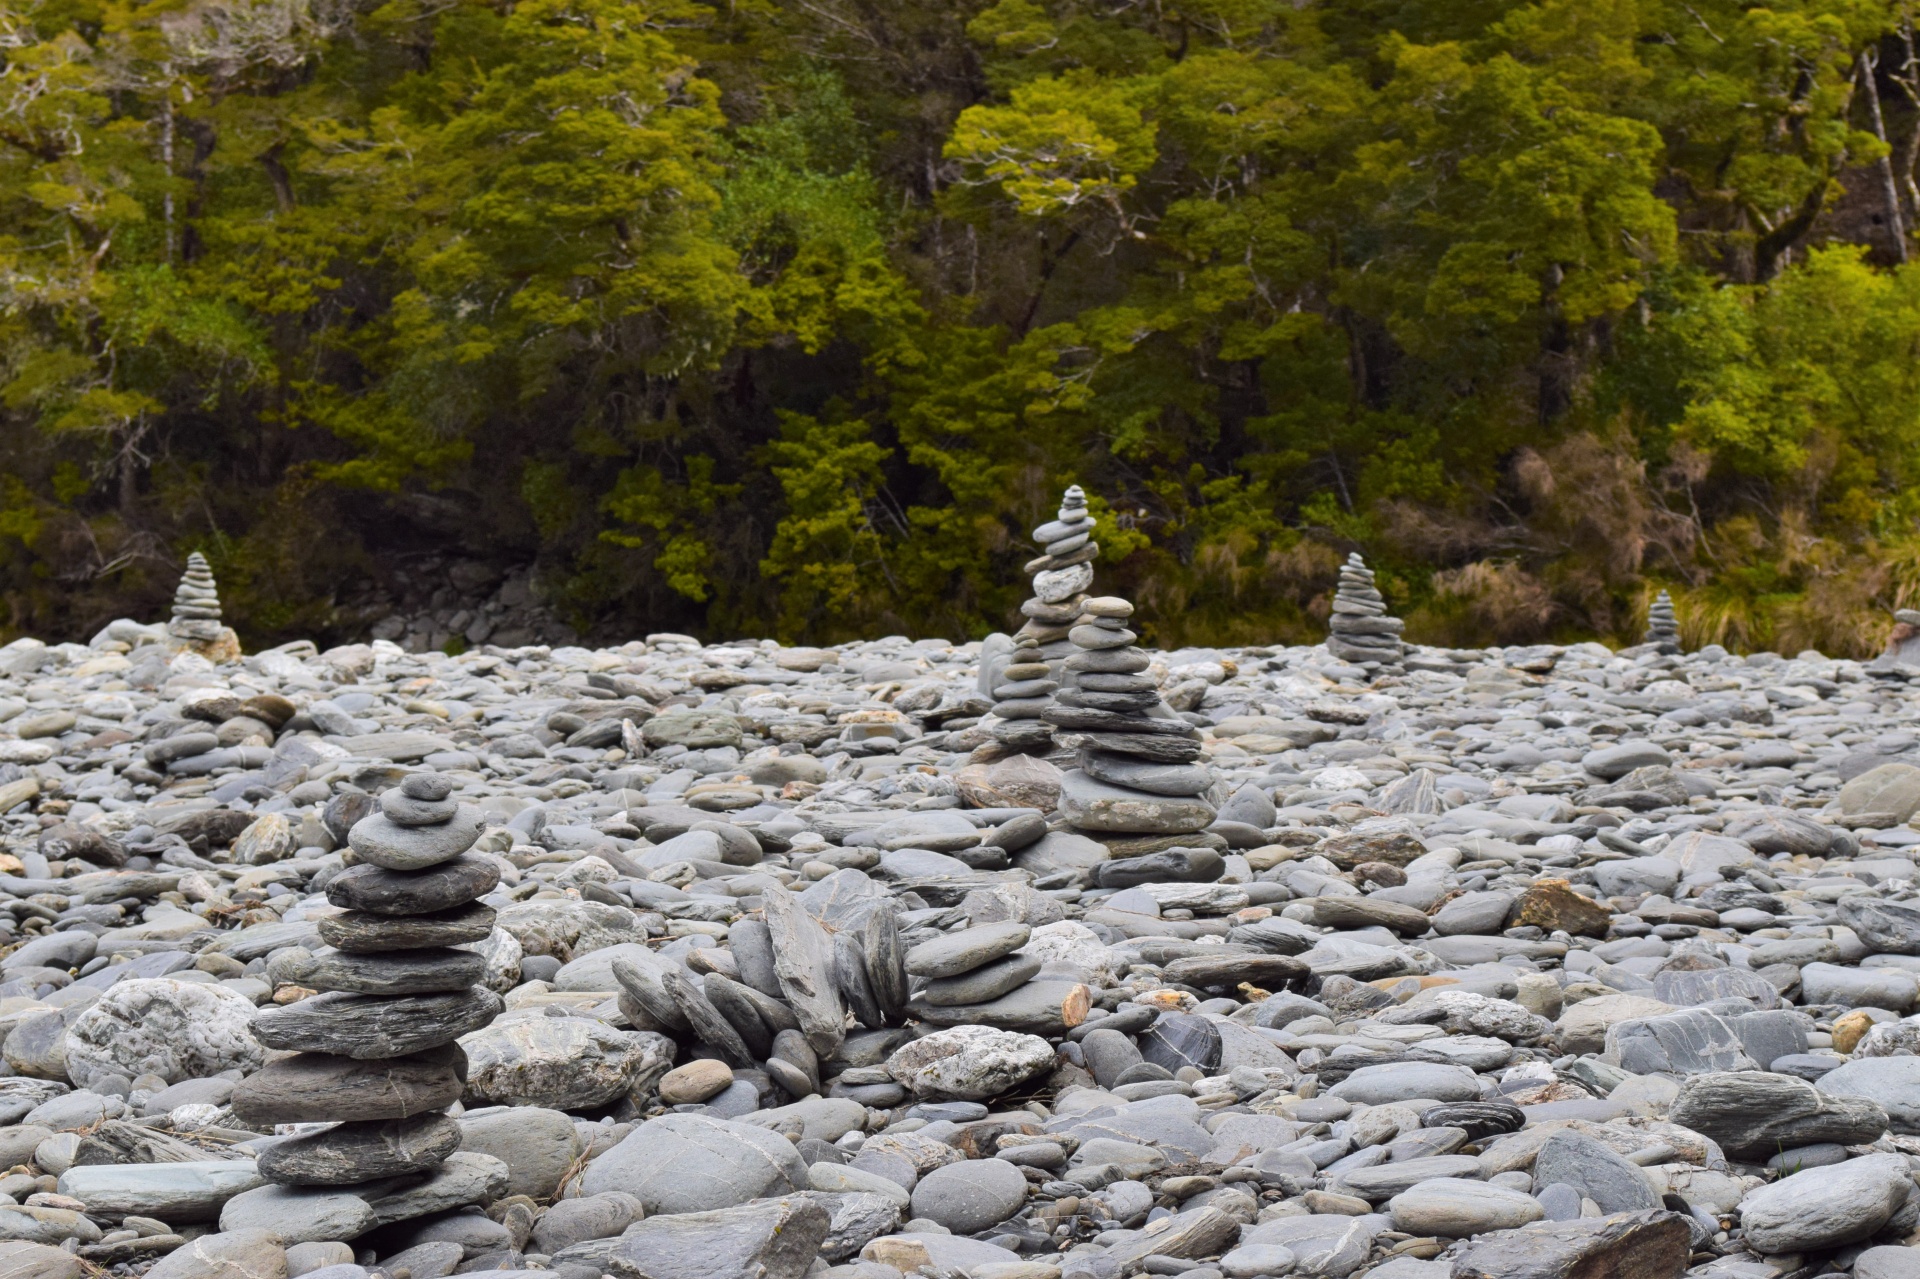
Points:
x=969 y=1196
x=538 y=1145
x=177 y=1193
x=163 y=1026
x=1826 y=1207
x=691 y=1163
x=1454 y=1209
x=766 y=1239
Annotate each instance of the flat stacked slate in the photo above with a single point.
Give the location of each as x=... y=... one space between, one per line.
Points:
x=1139 y=771
x=1663 y=629
x=196 y=621
x=1360 y=630
x=375 y=1048
x=1026 y=684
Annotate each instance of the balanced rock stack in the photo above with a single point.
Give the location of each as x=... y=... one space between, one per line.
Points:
x=196 y=615
x=1663 y=629
x=1026 y=686
x=980 y=977
x=376 y=1049
x=1361 y=631
x=1060 y=580
x=1138 y=773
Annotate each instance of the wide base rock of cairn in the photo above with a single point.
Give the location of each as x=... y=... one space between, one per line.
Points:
x=1663 y=629
x=375 y=1050
x=1360 y=630
x=196 y=626
x=1138 y=773
x=1025 y=685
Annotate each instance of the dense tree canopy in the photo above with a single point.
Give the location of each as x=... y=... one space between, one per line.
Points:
x=792 y=317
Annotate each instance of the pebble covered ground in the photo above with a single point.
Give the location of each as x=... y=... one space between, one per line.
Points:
x=676 y=961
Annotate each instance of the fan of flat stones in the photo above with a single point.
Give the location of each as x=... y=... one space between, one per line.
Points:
x=682 y=960
x=1359 y=629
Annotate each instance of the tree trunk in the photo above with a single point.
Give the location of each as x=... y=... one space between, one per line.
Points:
x=1864 y=69
x=166 y=161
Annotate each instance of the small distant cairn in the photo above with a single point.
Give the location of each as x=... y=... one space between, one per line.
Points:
x=195 y=625
x=1360 y=630
x=1025 y=685
x=1663 y=628
x=1903 y=645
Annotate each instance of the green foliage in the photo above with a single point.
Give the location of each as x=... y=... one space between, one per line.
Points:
x=795 y=318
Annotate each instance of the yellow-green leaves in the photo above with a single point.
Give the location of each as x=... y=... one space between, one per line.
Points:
x=1068 y=146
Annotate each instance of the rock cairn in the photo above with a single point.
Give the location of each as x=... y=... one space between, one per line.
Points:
x=375 y=1048
x=1061 y=576
x=777 y=1003
x=1360 y=630
x=195 y=624
x=1663 y=629
x=1138 y=773
x=1026 y=688
x=1903 y=644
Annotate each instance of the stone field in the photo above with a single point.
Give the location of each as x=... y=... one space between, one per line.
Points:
x=1043 y=957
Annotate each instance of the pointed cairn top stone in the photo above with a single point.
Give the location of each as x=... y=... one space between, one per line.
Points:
x=1360 y=630
x=1663 y=629
x=1061 y=576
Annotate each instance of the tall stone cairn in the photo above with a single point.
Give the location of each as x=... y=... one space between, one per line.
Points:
x=1025 y=686
x=375 y=1049
x=195 y=623
x=1663 y=629
x=1360 y=630
x=1138 y=768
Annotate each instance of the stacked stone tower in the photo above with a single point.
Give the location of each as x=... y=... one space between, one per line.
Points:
x=1663 y=628
x=1360 y=629
x=1023 y=688
x=1138 y=771
x=195 y=624
x=375 y=1050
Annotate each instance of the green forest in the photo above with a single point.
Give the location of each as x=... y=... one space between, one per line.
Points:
x=791 y=317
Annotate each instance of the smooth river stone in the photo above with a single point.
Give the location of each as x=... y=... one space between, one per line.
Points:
x=369 y=1028
x=320 y=1087
x=403 y=809
x=1079 y=717
x=970 y=948
x=1111 y=661
x=1139 y=774
x=384 y=843
x=407 y=972
x=1044 y=1008
x=1116 y=703
x=983 y=984
x=1144 y=746
x=1098 y=682
x=356 y=1152
x=361 y=932
x=1099 y=637
x=1094 y=805
x=385 y=892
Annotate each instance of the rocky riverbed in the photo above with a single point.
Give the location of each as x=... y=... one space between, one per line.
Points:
x=677 y=961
